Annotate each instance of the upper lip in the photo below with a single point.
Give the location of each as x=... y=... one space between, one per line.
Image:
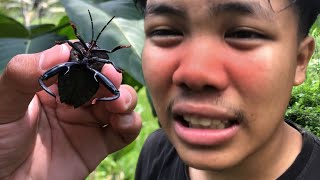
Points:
x=203 y=111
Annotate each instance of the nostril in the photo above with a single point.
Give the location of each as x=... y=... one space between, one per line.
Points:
x=184 y=87
x=189 y=80
x=197 y=76
x=202 y=79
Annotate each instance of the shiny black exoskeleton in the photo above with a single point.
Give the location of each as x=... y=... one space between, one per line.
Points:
x=79 y=78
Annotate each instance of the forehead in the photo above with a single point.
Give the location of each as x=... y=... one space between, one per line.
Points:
x=273 y=15
x=267 y=6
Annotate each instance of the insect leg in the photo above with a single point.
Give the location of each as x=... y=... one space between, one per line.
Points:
x=70 y=44
x=108 y=84
x=106 y=61
x=110 y=51
x=52 y=72
x=78 y=36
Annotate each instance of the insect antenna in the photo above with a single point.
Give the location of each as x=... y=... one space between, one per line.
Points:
x=103 y=29
x=95 y=41
x=92 y=31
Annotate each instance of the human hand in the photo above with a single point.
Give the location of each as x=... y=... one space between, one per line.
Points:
x=41 y=138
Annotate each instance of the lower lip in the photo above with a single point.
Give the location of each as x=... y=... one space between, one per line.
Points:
x=206 y=137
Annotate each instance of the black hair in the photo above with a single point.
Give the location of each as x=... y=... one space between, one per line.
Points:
x=307 y=13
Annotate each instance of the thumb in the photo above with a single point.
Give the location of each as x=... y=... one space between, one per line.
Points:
x=19 y=81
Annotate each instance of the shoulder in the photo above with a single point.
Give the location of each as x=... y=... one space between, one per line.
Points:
x=156 y=144
x=157 y=138
x=159 y=160
x=306 y=166
x=311 y=170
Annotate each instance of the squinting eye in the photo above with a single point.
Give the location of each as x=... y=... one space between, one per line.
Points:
x=164 y=32
x=165 y=37
x=244 y=34
x=245 y=38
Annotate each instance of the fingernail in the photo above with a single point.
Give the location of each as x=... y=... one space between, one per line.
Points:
x=128 y=98
x=125 y=120
x=54 y=52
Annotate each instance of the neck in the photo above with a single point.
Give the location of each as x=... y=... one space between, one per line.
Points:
x=269 y=162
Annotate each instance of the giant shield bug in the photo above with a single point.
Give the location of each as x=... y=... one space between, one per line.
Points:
x=79 y=78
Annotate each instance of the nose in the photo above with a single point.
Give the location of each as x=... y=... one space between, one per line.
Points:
x=202 y=65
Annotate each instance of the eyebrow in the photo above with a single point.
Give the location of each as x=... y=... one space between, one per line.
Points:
x=163 y=8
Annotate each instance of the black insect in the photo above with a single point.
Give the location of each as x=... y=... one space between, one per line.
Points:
x=79 y=78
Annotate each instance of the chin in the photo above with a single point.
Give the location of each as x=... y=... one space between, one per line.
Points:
x=210 y=158
x=210 y=164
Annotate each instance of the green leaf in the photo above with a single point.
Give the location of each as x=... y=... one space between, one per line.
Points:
x=126 y=28
x=37 y=30
x=14 y=46
x=66 y=31
x=12 y=28
x=17 y=39
x=127 y=79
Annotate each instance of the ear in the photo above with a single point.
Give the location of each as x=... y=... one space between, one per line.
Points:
x=305 y=51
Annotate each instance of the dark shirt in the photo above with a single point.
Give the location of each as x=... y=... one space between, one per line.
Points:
x=159 y=160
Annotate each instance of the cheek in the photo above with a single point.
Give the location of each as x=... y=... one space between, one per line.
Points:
x=158 y=67
x=262 y=80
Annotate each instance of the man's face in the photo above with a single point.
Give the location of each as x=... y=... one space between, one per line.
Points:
x=220 y=73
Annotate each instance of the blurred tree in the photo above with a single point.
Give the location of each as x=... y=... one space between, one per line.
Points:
x=28 y=11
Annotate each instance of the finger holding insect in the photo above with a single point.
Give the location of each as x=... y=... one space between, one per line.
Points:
x=49 y=58
x=79 y=79
x=122 y=130
x=126 y=103
x=109 y=80
x=111 y=72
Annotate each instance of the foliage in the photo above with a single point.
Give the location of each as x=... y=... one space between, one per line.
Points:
x=315 y=29
x=30 y=10
x=122 y=164
x=304 y=106
x=126 y=28
x=15 y=38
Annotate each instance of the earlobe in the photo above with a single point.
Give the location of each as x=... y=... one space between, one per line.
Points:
x=306 y=49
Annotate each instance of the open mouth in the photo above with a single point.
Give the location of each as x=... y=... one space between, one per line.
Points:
x=205 y=123
x=206 y=129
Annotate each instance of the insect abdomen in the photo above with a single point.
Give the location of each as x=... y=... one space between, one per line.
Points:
x=77 y=86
